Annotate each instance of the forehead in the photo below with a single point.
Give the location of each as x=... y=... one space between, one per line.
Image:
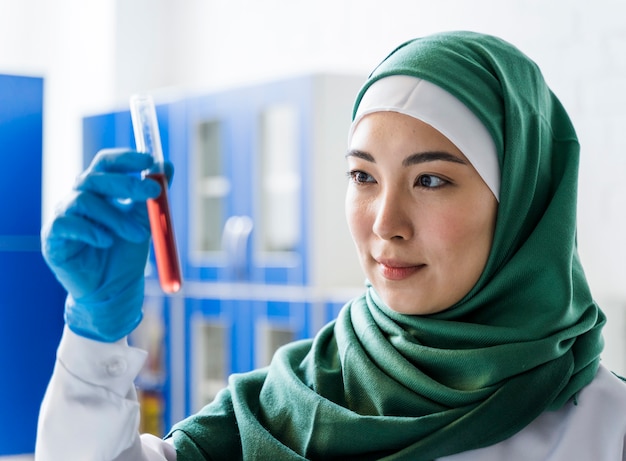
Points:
x=395 y=130
x=402 y=139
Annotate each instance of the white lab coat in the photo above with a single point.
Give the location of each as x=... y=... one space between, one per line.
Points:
x=90 y=413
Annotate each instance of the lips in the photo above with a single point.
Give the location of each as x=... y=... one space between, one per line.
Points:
x=395 y=270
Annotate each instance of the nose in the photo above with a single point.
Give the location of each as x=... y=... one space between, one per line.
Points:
x=393 y=217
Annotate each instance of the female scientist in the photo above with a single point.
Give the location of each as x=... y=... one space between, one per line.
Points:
x=476 y=337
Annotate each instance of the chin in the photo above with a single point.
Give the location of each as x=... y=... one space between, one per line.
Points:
x=407 y=307
x=414 y=311
x=410 y=305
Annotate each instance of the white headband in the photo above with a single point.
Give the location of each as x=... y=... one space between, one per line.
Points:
x=431 y=104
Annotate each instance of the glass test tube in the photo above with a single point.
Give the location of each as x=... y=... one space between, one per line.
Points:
x=148 y=140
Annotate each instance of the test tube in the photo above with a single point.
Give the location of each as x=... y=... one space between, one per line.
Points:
x=148 y=140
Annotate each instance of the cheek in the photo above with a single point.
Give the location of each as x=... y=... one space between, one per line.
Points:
x=351 y=214
x=464 y=239
x=358 y=219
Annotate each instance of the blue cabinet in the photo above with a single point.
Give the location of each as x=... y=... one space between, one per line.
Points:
x=248 y=152
x=237 y=328
x=257 y=200
x=31 y=300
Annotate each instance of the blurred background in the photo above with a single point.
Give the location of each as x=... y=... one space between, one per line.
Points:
x=93 y=55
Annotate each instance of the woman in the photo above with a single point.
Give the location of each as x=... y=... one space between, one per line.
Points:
x=476 y=338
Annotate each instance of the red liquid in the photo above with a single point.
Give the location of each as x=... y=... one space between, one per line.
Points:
x=168 y=264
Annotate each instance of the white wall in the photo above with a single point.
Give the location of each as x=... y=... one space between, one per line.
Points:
x=69 y=43
x=94 y=54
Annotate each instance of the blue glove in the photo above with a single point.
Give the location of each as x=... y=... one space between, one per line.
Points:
x=97 y=245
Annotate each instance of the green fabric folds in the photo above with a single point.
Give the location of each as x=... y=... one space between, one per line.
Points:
x=377 y=384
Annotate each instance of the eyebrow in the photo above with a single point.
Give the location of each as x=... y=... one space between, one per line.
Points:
x=414 y=159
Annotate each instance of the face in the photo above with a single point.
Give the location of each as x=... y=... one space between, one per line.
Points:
x=420 y=215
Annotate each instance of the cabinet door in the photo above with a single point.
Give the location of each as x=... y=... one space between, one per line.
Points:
x=230 y=334
x=281 y=148
x=153 y=381
x=21 y=125
x=214 y=159
x=212 y=348
x=248 y=175
x=276 y=323
x=31 y=299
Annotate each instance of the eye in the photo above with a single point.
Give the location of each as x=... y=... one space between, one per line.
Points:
x=360 y=177
x=430 y=181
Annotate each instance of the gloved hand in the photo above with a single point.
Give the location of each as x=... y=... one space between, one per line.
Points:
x=97 y=245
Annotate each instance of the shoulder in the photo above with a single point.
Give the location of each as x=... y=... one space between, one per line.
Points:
x=606 y=384
x=601 y=406
x=591 y=427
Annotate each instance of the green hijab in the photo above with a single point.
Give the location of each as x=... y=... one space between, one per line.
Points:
x=377 y=384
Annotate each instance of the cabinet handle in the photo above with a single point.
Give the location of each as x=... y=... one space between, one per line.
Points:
x=235 y=243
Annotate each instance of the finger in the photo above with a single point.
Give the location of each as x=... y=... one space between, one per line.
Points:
x=166 y=168
x=78 y=229
x=120 y=161
x=67 y=236
x=118 y=186
x=131 y=226
x=169 y=171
